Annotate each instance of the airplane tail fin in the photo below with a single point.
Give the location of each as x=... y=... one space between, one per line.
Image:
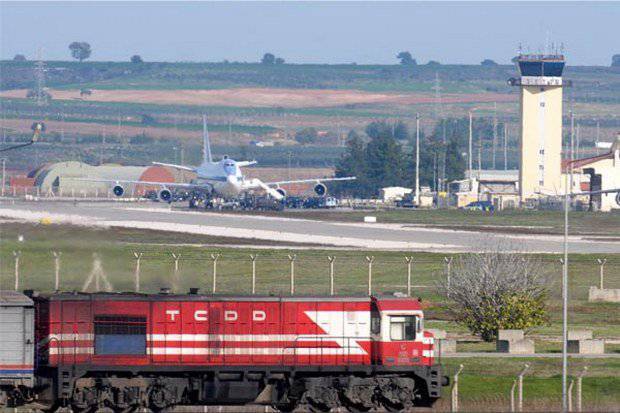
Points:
x=206 y=145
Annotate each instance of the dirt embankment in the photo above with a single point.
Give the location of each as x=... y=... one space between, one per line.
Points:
x=263 y=97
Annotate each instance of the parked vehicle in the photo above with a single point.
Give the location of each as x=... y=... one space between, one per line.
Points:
x=480 y=206
x=320 y=202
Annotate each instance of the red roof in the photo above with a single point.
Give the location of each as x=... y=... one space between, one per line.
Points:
x=579 y=163
x=397 y=304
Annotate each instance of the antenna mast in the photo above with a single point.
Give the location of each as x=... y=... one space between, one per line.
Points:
x=39 y=77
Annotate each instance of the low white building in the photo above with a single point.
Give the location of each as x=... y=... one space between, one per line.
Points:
x=596 y=173
x=497 y=186
x=394 y=193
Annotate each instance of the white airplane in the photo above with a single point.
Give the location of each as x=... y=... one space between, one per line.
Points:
x=222 y=179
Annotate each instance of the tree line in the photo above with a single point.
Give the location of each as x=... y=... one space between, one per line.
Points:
x=385 y=155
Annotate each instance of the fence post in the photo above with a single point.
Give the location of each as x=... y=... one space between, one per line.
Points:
x=570 y=395
x=579 y=380
x=525 y=368
x=138 y=256
x=455 y=390
x=512 y=395
x=601 y=263
x=448 y=261
x=331 y=259
x=253 y=258
x=56 y=255
x=370 y=260
x=17 y=254
x=175 y=275
x=409 y=262
x=215 y=257
x=292 y=259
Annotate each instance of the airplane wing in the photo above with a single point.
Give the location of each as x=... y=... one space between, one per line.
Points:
x=311 y=180
x=181 y=167
x=125 y=181
x=245 y=163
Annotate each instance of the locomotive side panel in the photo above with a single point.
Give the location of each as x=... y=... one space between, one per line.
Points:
x=16 y=348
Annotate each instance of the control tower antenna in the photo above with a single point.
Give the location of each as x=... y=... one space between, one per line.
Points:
x=39 y=77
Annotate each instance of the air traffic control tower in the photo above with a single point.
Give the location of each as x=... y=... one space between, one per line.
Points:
x=541 y=124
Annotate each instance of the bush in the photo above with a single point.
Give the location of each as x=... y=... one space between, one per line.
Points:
x=306 y=136
x=496 y=290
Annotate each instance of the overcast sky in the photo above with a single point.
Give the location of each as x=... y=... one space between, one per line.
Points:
x=311 y=32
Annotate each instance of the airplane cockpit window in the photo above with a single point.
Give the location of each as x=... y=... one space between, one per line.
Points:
x=230 y=167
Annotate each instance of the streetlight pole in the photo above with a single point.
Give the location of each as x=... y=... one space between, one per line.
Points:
x=567 y=195
x=565 y=299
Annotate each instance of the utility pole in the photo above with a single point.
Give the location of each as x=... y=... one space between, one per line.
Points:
x=598 y=134
x=470 y=143
x=494 y=134
x=102 y=146
x=3 y=175
x=578 y=141
x=417 y=159
x=505 y=146
x=569 y=188
x=479 y=156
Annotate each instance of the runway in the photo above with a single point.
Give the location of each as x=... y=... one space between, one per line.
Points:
x=294 y=231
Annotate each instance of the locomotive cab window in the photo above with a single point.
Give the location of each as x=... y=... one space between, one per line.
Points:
x=119 y=334
x=403 y=328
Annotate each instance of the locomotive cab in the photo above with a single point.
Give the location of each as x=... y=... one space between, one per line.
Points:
x=397 y=327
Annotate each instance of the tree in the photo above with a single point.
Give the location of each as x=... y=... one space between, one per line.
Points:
x=19 y=58
x=268 y=59
x=401 y=132
x=306 y=136
x=488 y=62
x=433 y=63
x=615 y=60
x=455 y=162
x=352 y=163
x=279 y=61
x=497 y=289
x=80 y=50
x=406 y=59
x=136 y=59
x=385 y=162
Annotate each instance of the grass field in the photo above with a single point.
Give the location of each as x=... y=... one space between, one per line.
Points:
x=115 y=249
x=485 y=382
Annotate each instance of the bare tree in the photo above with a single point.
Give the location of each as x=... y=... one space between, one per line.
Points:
x=500 y=288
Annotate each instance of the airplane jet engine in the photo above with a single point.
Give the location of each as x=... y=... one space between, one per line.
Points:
x=281 y=192
x=165 y=195
x=320 y=189
x=118 y=190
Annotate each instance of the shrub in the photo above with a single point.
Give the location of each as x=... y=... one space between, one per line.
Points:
x=497 y=289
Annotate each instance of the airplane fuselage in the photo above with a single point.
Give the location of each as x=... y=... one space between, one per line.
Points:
x=225 y=178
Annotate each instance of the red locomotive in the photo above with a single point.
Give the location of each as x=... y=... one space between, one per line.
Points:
x=124 y=351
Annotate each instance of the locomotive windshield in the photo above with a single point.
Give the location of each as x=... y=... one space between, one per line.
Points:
x=403 y=328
